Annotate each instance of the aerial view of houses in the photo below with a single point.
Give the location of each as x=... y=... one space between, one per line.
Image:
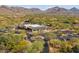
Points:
x=53 y=29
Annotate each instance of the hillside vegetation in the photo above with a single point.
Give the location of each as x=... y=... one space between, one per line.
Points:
x=63 y=37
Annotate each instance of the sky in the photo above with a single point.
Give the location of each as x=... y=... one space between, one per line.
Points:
x=44 y=7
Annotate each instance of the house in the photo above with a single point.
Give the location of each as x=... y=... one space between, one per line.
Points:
x=26 y=25
x=35 y=26
x=30 y=28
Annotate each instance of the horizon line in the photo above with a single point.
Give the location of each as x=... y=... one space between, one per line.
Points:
x=44 y=7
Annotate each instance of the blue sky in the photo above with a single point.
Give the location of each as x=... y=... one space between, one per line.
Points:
x=44 y=7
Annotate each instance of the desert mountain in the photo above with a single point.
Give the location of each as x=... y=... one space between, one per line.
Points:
x=18 y=11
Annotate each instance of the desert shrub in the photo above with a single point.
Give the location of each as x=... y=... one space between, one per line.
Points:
x=55 y=43
x=37 y=46
x=76 y=49
x=21 y=46
x=74 y=41
x=66 y=47
x=8 y=41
